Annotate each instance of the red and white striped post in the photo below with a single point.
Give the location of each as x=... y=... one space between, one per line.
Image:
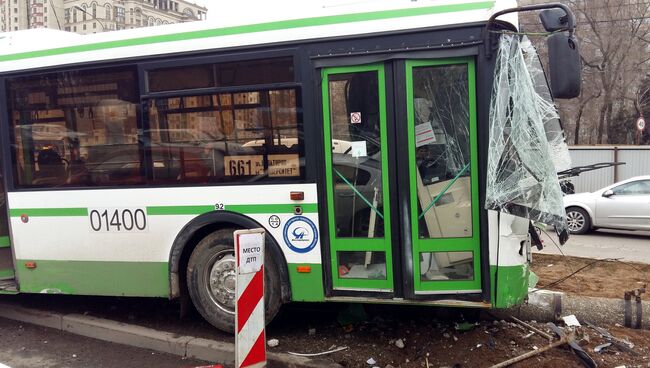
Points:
x=250 y=343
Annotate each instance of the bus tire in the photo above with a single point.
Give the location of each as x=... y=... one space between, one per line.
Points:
x=211 y=281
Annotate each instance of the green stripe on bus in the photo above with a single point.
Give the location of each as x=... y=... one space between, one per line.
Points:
x=272 y=208
x=146 y=279
x=239 y=208
x=255 y=28
x=4 y=242
x=170 y=210
x=178 y=210
x=48 y=212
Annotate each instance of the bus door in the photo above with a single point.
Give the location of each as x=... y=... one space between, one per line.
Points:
x=437 y=165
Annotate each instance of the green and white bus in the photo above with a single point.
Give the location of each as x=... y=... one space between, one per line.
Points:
x=357 y=136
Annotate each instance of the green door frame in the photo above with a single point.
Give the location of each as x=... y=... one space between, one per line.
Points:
x=358 y=244
x=468 y=244
x=444 y=244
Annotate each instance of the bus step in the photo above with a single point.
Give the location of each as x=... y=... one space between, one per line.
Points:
x=8 y=287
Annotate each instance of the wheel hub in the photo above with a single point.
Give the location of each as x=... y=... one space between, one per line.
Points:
x=575 y=221
x=222 y=280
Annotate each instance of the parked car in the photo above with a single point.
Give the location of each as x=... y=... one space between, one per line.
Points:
x=624 y=205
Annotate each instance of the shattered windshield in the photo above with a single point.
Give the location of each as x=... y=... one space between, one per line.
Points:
x=527 y=146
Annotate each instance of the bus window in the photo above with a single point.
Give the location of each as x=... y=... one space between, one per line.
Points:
x=178 y=78
x=441 y=106
x=76 y=129
x=226 y=137
x=243 y=73
x=436 y=266
x=230 y=74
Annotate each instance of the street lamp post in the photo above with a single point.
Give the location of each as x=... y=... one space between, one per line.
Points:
x=91 y=16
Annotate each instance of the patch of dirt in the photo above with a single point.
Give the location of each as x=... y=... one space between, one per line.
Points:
x=607 y=279
x=434 y=335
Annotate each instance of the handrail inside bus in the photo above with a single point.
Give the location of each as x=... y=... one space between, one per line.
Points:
x=359 y=193
x=435 y=200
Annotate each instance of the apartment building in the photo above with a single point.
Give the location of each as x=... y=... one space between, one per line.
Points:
x=94 y=16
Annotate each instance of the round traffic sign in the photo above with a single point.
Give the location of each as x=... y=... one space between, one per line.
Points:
x=640 y=123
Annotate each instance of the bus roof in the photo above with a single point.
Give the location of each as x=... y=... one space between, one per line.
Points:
x=232 y=27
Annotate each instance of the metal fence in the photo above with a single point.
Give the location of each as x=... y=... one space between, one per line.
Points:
x=636 y=158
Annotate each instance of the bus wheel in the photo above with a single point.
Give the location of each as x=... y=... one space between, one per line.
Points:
x=211 y=278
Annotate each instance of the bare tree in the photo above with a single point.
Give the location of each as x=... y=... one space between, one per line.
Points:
x=614 y=36
x=611 y=36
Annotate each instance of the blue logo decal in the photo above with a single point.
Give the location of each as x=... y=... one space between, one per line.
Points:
x=300 y=234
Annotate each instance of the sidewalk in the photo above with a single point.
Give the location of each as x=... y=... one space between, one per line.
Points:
x=143 y=337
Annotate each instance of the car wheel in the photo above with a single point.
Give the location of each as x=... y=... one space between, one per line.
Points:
x=578 y=220
x=211 y=277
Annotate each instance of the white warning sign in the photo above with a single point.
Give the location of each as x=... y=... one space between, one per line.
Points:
x=424 y=134
x=358 y=149
x=250 y=250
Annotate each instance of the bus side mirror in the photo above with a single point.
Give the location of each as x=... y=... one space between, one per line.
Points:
x=564 y=65
x=554 y=20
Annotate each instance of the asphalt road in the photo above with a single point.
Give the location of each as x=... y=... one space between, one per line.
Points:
x=27 y=346
x=626 y=245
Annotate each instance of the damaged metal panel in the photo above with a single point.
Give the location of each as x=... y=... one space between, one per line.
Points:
x=527 y=146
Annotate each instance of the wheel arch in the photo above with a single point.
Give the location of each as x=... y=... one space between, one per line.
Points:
x=204 y=224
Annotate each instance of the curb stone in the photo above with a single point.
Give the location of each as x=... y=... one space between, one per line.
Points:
x=147 y=338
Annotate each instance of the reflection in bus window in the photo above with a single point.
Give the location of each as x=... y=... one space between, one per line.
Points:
x=70 y=128
x=356 y=154
x=226 y=137
x=226 y=74
x=439 y=266
x=442 y=151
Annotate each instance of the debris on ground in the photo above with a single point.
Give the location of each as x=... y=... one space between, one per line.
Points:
x=318 y=354
x=622 y=345
x=464 y=326
x=487 y=343
x=571 y=321
x=532 y=329
x=399 y=343
x=273 y=343
x=600 y=348
x=564 y=340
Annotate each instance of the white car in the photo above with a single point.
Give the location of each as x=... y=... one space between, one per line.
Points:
x=624 y=205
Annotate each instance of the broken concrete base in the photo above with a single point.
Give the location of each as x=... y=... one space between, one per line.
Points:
x=147 y=338
x=547 y=306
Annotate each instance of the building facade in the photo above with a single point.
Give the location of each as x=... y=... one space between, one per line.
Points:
x=94 y=16
x=24 y=14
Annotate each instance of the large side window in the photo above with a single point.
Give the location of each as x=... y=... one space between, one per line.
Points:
x=76 y=128
x=641 y=187
x=249 y=134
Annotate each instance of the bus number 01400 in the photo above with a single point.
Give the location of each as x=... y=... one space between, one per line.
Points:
x=110 y=220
